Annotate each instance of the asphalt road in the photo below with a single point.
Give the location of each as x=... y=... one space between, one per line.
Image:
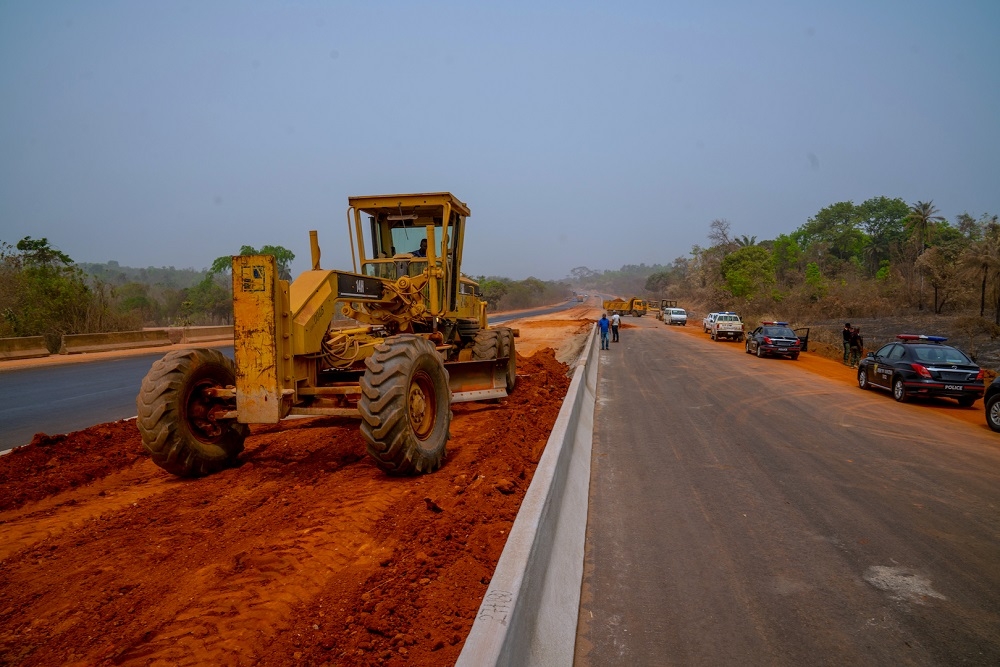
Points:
x=747 y=513
x=69 y=397
x=64 y=398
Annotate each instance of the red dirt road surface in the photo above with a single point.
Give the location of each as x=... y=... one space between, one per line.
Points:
x=305 y=554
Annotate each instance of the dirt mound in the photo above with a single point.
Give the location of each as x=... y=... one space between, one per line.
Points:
x=304 y=554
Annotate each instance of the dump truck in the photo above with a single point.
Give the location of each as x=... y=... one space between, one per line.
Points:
x=635 y=306
x=393 y=343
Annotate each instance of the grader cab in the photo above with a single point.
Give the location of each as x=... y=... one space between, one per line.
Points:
x=393 y=342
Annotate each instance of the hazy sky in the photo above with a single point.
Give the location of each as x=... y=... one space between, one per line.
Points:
x=579 y=133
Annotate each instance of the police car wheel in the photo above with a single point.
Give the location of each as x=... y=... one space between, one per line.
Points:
x=899 y=390
x=993 y=412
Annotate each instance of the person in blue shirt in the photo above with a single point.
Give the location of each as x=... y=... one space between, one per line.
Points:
x=605 y=325
x=422 y=250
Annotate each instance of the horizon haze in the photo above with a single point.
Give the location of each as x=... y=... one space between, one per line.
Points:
x=580 y=134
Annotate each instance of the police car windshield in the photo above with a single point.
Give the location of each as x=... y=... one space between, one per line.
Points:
x=779 y=332
x=939 y=354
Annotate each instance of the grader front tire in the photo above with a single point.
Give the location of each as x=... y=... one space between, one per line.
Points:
x=487 y=344
x=405 y=406
x=176 y=418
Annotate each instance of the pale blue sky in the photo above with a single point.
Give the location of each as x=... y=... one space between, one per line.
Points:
x=579 y=133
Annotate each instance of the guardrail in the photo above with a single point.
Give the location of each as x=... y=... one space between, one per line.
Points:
x=119 y=340
x=529 y=613
x=27 y=347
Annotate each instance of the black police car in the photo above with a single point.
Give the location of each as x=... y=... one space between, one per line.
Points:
x=773 y=338
x=917 y=365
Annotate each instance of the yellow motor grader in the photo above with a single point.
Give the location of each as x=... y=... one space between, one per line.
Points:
x=393 y=342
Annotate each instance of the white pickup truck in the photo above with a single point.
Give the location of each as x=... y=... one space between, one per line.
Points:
x=727 y=325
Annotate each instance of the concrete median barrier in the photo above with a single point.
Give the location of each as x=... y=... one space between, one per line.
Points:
x=529 y=613
x=119 y=340
x=206 y=334
x=27 y=347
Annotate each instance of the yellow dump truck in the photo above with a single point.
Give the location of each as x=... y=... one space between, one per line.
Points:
x=635 y=306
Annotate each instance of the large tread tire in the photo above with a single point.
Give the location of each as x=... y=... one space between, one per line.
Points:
x=506 y=337
x=486 y=345
x=405 y=406
x=173 y=416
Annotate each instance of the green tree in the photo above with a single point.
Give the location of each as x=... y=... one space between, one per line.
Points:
x=816 y=286
x=282 y=256
x=883 y=221
x=836 y=228
x=786 y=256
x=493 y=290
x=982 y=255
x=921 y=222
x=208 y=302
x=135 y=298
x=44 y=295
x=658 y=282
x=748 y=271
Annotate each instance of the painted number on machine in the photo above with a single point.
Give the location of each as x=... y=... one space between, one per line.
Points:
x=358 y=287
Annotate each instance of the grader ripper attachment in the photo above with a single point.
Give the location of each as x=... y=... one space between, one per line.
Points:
x=393 y=342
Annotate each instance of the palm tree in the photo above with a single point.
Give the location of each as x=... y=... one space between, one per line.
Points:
x=921 y=220
x=982 y=258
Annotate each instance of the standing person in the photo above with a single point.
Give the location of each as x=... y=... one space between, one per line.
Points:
x=604 y=324
x=616 y=321
x=857 y=344
x=847 y=341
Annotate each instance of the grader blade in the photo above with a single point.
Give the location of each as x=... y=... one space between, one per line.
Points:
x=477 y=380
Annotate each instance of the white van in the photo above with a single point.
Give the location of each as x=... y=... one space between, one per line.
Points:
x=675 y=316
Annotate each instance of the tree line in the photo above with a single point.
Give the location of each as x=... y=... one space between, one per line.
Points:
x=880 y=257
x=43 y=292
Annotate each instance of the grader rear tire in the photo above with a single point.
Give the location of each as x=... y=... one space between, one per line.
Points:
x=405 y=406
x=507 y=350
x=175 y=419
